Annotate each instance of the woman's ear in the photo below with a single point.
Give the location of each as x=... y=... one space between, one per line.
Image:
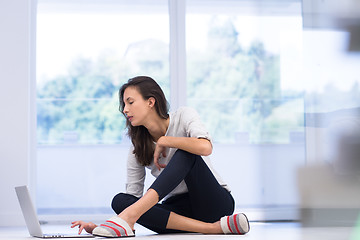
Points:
x=151 y=101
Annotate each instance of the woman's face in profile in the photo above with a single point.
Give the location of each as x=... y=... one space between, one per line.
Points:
x=136 y=108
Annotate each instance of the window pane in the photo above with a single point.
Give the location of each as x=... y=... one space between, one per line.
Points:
x=239 y=66
x=85 y=52
x=84 y=55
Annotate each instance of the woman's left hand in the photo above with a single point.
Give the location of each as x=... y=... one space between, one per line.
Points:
x=88 y=226
x=159 y=150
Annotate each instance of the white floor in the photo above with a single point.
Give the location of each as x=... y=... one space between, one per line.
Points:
x=258 y=231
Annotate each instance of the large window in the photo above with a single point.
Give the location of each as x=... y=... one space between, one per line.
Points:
x=243 y=75
x=85 y=52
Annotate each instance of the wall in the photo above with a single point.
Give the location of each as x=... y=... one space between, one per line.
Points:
x=15 y=118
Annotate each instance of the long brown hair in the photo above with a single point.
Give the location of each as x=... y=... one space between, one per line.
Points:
x=139 y=135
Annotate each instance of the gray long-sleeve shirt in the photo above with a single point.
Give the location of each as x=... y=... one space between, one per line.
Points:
x=185 y=122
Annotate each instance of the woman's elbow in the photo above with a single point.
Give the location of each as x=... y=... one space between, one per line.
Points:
x=207 y=152
x=207 y=149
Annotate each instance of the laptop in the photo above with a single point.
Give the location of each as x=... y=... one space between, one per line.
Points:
x=31 y=218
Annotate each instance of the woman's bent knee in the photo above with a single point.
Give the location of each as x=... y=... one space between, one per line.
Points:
x=122 y=201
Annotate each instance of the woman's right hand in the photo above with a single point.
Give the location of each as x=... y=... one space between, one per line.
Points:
x=159 y=151
x=88 y=226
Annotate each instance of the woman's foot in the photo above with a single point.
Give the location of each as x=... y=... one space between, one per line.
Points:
x=235 y=224
x=114 y=227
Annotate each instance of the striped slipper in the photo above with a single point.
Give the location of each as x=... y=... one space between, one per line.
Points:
x=115 y=227
x=235 y=224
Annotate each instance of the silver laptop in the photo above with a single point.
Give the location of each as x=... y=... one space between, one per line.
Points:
x=31 y=218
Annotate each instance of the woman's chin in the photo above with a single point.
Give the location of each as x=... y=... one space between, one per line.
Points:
x=134 y=124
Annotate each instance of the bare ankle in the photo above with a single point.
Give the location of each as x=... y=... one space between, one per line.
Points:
x=217 y=227
x=214 y=228
x=128 y=217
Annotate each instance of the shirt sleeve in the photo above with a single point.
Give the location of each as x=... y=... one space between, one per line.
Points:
x=135 y=176
x=194 y=127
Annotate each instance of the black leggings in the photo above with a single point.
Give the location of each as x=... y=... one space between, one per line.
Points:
x=205 y=200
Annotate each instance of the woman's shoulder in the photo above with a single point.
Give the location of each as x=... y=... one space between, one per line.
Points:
x=184 y=116
x=183 y=111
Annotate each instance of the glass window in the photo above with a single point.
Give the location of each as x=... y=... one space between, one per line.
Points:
x=85 y=52
x=241 y=70
x=244 y=63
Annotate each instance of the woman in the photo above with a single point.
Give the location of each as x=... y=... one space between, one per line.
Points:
x=174 y=147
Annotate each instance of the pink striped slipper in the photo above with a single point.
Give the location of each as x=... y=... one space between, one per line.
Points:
x=115 y=227
x=235 y=224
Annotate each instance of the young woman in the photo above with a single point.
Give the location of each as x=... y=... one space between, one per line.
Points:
x=175 y=147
